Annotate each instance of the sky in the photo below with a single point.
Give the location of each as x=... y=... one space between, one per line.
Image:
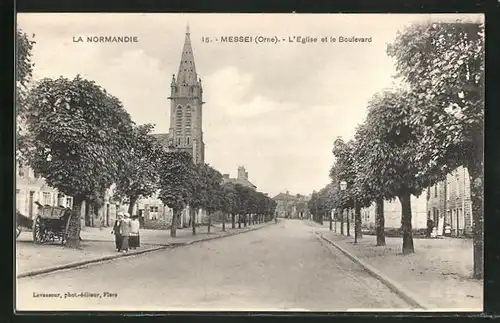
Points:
x=275 y=108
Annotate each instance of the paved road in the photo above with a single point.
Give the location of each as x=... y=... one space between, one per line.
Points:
x=280 y=267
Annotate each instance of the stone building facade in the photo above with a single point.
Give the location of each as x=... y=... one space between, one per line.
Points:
x=450 y=201
x=291 y=206
x=31 y=188
x=392 y=213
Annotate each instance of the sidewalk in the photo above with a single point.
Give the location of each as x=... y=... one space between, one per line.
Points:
x=439 y=272
x=98 y=245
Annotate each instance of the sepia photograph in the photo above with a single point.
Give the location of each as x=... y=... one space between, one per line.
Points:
x=249 y=162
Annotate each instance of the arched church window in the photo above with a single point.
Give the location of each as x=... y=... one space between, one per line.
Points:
x=188 y=140
x=178 y=141
x=188 y=116
x=178 y=116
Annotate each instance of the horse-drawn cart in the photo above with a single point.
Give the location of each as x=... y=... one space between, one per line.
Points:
x=51 y=224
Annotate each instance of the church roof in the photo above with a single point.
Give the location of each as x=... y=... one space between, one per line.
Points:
x=187 y=68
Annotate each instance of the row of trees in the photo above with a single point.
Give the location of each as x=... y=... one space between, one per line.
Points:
x=416 y=134
x=81 y=140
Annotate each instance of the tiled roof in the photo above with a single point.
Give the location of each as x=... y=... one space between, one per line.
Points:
x=243 y=182
x=283 y=196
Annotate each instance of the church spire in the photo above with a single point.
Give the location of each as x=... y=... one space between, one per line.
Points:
x=187 y=68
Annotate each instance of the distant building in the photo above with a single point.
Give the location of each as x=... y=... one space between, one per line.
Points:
x=392 y=213
x=241 y=179
x=291 y=206
x=450 y=200
x=31 y=188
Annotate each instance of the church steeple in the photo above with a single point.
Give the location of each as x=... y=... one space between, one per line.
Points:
x=187 y=68
x=186 y=99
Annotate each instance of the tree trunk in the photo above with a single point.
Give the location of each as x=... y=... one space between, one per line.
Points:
x=357 y=222
x=245 y=220
x=173 y=227
x=380 y=222
x=406 y=223
x=92 y=215
x=209 y=215
x=239 y=221
x=224 y=221
x=88 y=221
x=348 y=224
x=476 y=187
x=133 y=200
x=193 y=219
x=342 y=222
x=233 y=221
x=73 y=226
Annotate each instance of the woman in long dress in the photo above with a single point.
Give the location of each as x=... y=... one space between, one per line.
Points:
x=125 y=232
x=134 y=232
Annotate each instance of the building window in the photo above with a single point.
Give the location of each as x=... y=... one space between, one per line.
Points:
x=153 y=212
x=436 y=190
x=46 y=198
x=188 y=140
x=178 y=141
x=69 y=202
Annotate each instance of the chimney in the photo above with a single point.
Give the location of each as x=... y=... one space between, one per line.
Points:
x=241 y=172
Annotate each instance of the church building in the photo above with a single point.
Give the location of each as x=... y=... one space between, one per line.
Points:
x=186 y=103
x=185 y=132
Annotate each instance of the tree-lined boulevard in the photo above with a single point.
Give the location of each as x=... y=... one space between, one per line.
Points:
x=82 y=141
x=416 y=134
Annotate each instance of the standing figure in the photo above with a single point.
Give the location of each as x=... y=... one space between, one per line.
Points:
x=134 y=232
x=125 y=232
x=117 y=232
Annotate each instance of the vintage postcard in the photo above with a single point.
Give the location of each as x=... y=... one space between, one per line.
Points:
x=249 y=162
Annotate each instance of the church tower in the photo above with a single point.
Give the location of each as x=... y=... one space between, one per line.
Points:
x=186 y=101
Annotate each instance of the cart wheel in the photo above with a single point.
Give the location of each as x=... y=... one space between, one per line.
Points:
x=38 y=235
